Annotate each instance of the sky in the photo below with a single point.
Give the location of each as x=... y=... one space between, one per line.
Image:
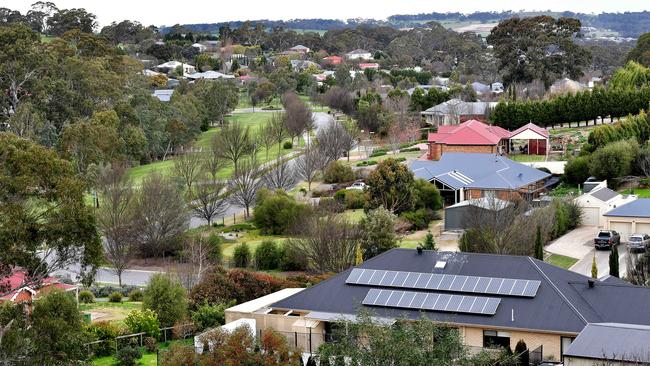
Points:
x=170 y=12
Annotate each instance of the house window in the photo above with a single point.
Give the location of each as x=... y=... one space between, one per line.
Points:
x=496 y=339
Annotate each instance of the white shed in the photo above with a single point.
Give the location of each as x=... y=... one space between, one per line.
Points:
x=599 y=201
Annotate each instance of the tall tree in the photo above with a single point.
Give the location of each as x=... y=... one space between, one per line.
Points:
x=207 y=200
x=391 y=185
x=282 y=176
x=377 y=232
x=244 y=184
x=539 y=246
x=278 y=129
x=298 y=117
x=188 y=168
x=613 y=262
x=309 y=164
x=233 y=142
x=45 y=225
x=333 y=140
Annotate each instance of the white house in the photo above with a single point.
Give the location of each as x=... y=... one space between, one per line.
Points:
x=358 y=54
x=299 y=49
x=200 y=47
x=170 y=66
x=209 y=75
x=598 y=201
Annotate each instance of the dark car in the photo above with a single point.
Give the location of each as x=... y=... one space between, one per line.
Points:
x=607 y=239
x=638 y=242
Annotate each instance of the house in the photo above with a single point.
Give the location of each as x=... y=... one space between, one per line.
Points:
x=209 y=75
x=471 y=136
x=630 y=218
x=464 y=176
x=612 y=344
x=370 y=65
x=164 y=95
x=566 y=85
x=26 y=293
x=456 y=216
x=151 y=73
x=170 y=66
x=301 y=65
x=455 y=111
x=358 y=54
x=480 y=88
x=299 y=49
x=492 y=300
x=333 y=60
x=497 y=87
x=598 y=201
x=200 y=47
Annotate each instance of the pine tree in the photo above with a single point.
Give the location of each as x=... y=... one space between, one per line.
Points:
x=521 y=351
x=613 y=262
x=594 y=268
x=429 y=242
x=539 y=247
x=358 y=254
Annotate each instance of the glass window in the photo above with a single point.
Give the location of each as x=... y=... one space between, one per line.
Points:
x=496 y=339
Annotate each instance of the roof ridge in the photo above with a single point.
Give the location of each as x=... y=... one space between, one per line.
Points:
x=557 y=290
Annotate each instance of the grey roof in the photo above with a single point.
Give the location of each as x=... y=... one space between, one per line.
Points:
x=457 y=106
x=164 y=95
x=564 y=300
x=612 y=341
x=483 y=202
x=637 y=208
x=604 y=194
x=475 y=170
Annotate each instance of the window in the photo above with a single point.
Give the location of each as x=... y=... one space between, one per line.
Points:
x=495 y=339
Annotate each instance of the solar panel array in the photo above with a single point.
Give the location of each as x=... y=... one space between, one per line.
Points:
x=432 y=301
x=444 y=282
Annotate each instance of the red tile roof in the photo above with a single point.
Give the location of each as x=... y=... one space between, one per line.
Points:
x=530 y=126
x=472 y=132
x=18 y=279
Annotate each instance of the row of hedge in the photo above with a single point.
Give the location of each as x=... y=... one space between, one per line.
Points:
x=634 y=127
x=581 y=106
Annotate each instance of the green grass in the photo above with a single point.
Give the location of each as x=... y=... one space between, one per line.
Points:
x=114 y=312
x=148 y=359
x=252 y=238
x=561 y=261
x=523 y=158
x=641 y=192
x=355 y=216
x=406 y=155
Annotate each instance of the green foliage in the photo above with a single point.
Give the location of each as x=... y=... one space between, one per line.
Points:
x=215 y=248
x=352 y=199
x=86 y=297
x=613 y=262
x=128 y=355
x=614 y=160
x=115 y=297
x=209 y=316
x=143 y=321
x=641 y=53
x=539 y=245
x=427 y=195
x=267 y=256
x=633 y=75
x=378 y=152
x=632 y=128
x=291 y=259
x=377 y=232
x=276 y=211
x=576 y=170
x=136 y=295
x=151 y=344
x=594 y=268
x=165 y=296
x=523 y=356
x=338 y=172
x=287 y=145
x=391 y=185
x=241 y=256
x=429 y=242
x=419 y=218
x=103 y=331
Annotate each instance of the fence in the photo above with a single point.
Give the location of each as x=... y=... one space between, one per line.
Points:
x=535 y=356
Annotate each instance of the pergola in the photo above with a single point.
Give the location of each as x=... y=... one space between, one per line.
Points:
x=537 y=137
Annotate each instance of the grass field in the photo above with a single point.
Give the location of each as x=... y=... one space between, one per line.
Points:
x=148 y=359
x=561 y=261
x=114 y=312
x=641 y=192
x=524 y=158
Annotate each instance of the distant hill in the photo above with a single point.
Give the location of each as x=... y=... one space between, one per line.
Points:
x=628 y=24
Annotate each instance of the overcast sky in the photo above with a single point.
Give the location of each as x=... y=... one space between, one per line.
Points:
x=170 y=12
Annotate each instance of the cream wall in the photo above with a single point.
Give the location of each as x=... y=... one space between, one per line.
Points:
x=574 y=361
x=633 y=220
x=473 y=337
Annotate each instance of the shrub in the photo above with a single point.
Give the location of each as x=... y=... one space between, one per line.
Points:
x=614 y=160
x=290 y=259
x=427 y=195
x=215 y=249
x=238 y=227
x=241 y=256
x=287 y=145
x=86 y=297
x=400 y=160
x=410 y=149
x=338 y=172
x=208 y=316
x=267 y=256
x=378 y=152
x=420 y=218
x=115 y=297
x=377 y=232
x=106 y=291
x=371 y=162
x=352 y=199
x=146 y=321
x=276 y=211
x=103 y=331
x=576 y=170
x=128 y=356
x=135 y=295
x=166 y=297
x=151 y=344
x=362 y=163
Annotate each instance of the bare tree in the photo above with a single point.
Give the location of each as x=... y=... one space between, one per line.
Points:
x=638 y=269
x=207 y=200
x=115 y=217
x=308 y=165
x=194 y=261
x=280 y=177
x=161 y=215
x=326 y=239
x=245 y=183
x=333 y=141
x=298 y=117
x=233 y=142
x=188 y=167
x=213 y=162
x=350 y=141
x=266 y=137
x=278 y=129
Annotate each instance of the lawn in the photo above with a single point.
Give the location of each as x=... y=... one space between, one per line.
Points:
x=355 y=216
x=561 y=261
x=641 y=192
x=148 y=359
x=524 y=158
x=114 y=312
x=405 y=155
x=252 y=238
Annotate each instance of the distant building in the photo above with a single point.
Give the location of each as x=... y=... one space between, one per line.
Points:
x=300 y=65
x=171 y=66
x=455 y=111
x=333 y=60
x=210 y=75
x=300 y=49
x=358 y=54
x=566 y=85
x=23 y=292
x=373 y=65
x=164 y=95
x=200 y=47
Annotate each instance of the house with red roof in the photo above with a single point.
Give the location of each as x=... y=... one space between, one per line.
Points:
x=469 y=137
x=23 y=291
x=333 y=60
x=369 y=65
x=535 y=139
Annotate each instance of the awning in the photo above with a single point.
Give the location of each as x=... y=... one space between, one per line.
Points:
x=334 y=317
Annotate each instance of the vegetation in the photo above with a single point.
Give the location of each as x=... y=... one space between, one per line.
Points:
x=377 y=232
x=166 y=297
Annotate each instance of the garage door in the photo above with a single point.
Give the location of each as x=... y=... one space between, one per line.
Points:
x=590 y=216
x=623 y=228
x=643 y=228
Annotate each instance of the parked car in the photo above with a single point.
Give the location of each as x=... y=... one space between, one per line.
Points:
x=358 y=185
x=639 y=242
x=607 y=239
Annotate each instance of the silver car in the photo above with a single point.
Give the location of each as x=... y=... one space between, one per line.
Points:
x=639 y=242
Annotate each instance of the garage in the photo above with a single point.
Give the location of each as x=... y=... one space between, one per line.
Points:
x=630 y=218
x=643 y=228
x=623 y=228
x=591 y=216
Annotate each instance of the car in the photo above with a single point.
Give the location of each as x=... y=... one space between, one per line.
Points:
x=607 y=239
x=358 y=186
x=638 y=242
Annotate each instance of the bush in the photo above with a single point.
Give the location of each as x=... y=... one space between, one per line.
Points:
x=115 y=297
x=400 y=160
x=215 y=249
x=239 y=227
x=291 y=259
x=287 y=145
x=86 y=297
x=410 y=149
x=377 y=232
x=352 y=199
x=151 y=344
x=103 y=331
x=241 y=256
x=576 y=170
x=267 y=256
x=338 y=172
x=106 y=291
x=135 y=295
x=427 y=195
x=143 y=321
x=166 y=297
x=378 y=152
x=128 y=356
x=275 y=212
x=614 y=160
x=208 y=316
x=420 y=218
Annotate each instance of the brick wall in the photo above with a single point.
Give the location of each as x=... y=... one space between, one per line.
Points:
x=436 y=150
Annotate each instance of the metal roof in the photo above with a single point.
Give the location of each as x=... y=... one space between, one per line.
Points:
x=637 y=208
x=612 y=341
x=604 y=194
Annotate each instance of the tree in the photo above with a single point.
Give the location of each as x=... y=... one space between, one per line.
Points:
x=309 y=164
x=245 y=182
x=213 y=162
x=638 y=269
x=64 y=232
x=241 y=256
x=187 y=167
x=115 y=217
x=377 y=232
x=538 y=47
x=521 y=351
x=539 y=246
x=278 y=130
x=391 y=185
x=219 y=98
x=333 y=141
x=427 y=195
x=613 y=262
x=267 y=256
x=166 y=297
x=298 y=117
x=339 y=99
x=266 y=137
x=233 y=142
x=641 y=53
x=429 y=242
x=275 y=211
x=614 y=160
x=594 y=268
x=161 y=215
x=282 y=176
x=65 y=20
x=207 y=200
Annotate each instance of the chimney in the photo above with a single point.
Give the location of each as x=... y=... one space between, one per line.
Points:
x=591 y=283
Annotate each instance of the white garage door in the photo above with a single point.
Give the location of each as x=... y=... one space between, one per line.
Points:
x=590 y=216
x=643 y=228
x=623 y=228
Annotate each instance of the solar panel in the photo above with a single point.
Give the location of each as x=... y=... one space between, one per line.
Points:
x=432 y=301
x=444 y=282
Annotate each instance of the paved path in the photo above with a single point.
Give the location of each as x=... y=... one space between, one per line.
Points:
x=583 y=266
